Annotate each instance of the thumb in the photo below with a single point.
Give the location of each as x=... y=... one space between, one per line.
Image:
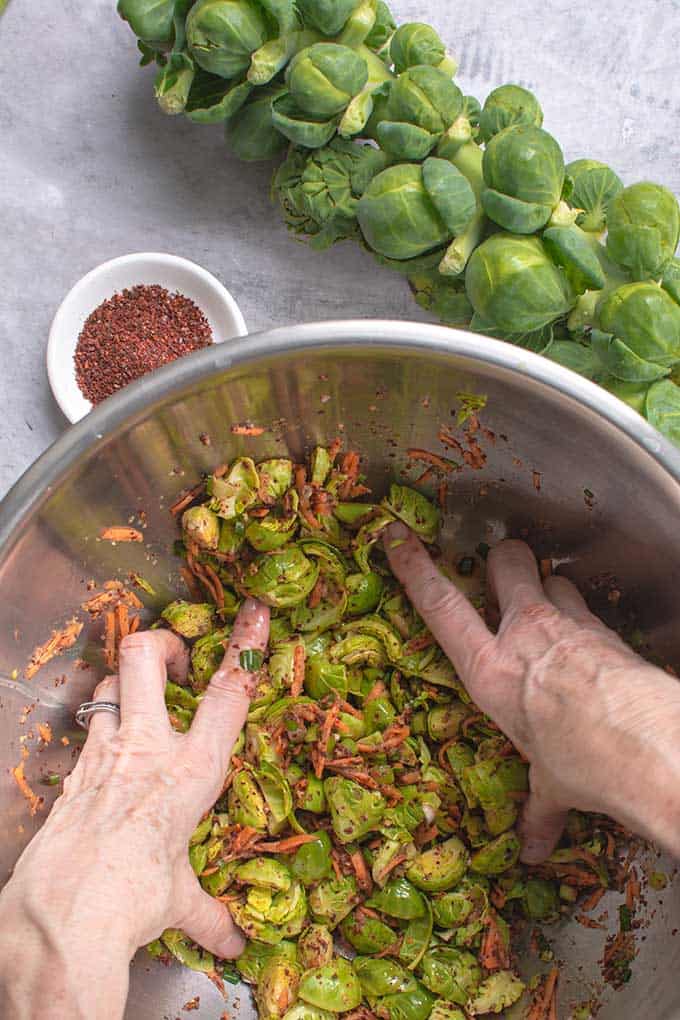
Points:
x=542 y=824
x=209 y=923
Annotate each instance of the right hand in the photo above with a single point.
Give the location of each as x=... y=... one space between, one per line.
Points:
x=599 y=725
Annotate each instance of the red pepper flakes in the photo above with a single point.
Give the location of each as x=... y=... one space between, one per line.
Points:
x=133 y=333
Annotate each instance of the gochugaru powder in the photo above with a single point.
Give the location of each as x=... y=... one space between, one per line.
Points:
x=134 y=332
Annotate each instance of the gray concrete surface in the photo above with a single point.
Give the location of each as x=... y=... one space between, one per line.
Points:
x=89 y=169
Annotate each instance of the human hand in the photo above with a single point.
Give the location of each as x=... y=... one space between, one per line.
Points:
x=599 y=725
x=109 y=870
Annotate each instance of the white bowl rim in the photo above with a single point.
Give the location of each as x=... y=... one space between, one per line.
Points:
x=55 y=365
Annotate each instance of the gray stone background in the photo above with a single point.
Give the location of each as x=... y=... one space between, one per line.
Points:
x=89 y=169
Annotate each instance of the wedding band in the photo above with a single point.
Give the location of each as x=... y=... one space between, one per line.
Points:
x=88 y=708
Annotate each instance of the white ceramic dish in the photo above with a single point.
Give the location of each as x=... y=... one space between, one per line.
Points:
x=171 y=272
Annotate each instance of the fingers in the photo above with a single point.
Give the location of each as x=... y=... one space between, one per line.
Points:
x=223 y=710
x=105 y=724
x=145 y=660
x=447 y=612
x=209 y=923
x=513 y=577
x=541 y=826
x=566 y=596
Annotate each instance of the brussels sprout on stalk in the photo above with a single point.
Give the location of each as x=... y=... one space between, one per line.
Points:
x=212 y=100
x=647 y=321
x=513 y=284
x=382 y=30
x=154 y=21
x=524 y=176
x=643 y=228
x=301 y=128
x=173 y=83
x=327 y=16
x=421 y=106
x=250 y=133
x=593 y=188
x=417 y=44
x=323 y=78
x=223 y=34
x=506 y=106
x=662 y=409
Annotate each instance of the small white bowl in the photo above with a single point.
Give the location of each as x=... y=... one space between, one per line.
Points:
x=171 y=272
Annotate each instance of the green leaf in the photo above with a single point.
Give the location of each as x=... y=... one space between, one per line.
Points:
x=662 y=409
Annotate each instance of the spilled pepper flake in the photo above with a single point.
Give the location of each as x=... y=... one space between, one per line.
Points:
x=247 y=430
x=59 y=642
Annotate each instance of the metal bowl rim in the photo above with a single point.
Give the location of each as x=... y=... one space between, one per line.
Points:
x=395 y=335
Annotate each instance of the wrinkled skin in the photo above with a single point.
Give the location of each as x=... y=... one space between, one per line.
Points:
x=120 y=829
x=565 y=689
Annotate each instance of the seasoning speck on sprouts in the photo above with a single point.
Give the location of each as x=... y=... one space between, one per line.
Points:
x=135 y=332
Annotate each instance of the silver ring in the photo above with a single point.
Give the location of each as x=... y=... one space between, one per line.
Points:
x=88 y=708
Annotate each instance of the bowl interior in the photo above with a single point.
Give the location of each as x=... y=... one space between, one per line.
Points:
x=546 y=467
x=169 y=271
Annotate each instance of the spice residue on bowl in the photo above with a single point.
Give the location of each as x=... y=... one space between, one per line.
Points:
x=134 y=332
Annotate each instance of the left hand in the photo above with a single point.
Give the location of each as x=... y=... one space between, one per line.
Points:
x=111 y=859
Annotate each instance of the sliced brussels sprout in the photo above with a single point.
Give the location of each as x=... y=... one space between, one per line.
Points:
x=257 y=955
x=444 y=721
x=283 y=578
x=207 y=655
x=415 y=510
x=440 y=868
x=246 y=803
x=190 y=619
x=452 y=974
x=276 y=990
x=272 y=532
x=276 y=478
x=332 y=899
x=497 y=992
x=323 y=676
x=311 y=863
x=413 y=1004
x=202 y=527
x=367 y=934
x=399 y=898
x=497 y=856
x=354 y=810
x=187 y=952
x=334 y=987
x=541 y=900
x=417 y=938
x=364 y=593
x=234 y=492
x=315 y=947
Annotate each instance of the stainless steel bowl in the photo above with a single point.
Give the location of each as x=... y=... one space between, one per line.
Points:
x=570 y=467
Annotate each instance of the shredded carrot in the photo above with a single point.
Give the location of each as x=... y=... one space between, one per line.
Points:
x=442 y=495
x=494 y=954
x=34 y=801
x=587 y=922
x=349 y=709
x=545 y=1001
x=316 y=593
x=334 y=449
x=427 y=474
x=110 y=639
x=134 y=624
x=394 y=863
x=299 y=659
x=424 y=835
x=209 y=871
x=190 y=582
x=364 y=879
x=247 y=430
x=378 y=690
x=284 y=846
x=123 y=620
x=216 y=585
x=632 y=891
x=430 y=458
x=260 y=513
x=545 y=566
x=183 y=502
x=359 y=490
x=326 y=730
x=45 y=732
x=593 y=900
x=120 y=534
x=59 y=642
